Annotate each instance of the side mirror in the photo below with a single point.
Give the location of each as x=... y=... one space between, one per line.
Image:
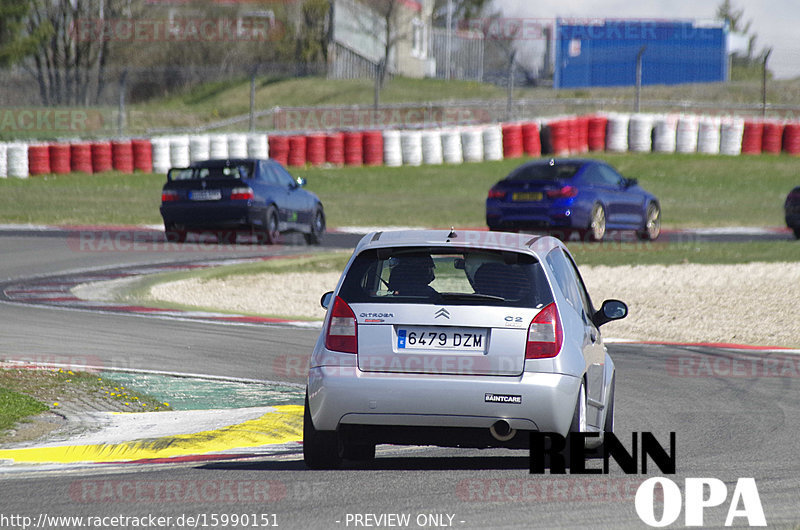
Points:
x=631 y=182
x=300 y=182
x=325 y=301
x=610 y=310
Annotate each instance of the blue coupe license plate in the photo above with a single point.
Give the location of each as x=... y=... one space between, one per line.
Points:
x=441 y=338
x=527 y=196
x=205 y=195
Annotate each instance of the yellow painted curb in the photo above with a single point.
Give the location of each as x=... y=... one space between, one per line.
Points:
x=283 y=425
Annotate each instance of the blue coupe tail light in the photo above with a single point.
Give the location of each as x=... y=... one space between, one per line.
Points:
x=242 y=194
x=563 y=193
x=496 y=194
x=169 y=196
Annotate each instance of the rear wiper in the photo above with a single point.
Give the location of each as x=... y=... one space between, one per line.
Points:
x=471 y=296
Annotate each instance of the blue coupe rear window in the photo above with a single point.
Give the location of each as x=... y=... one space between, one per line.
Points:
x=557 y=171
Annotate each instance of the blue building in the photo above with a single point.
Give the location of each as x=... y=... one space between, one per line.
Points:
x=603 y=52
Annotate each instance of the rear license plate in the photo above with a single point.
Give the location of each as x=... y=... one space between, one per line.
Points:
x=205 y=195
x=527 y=196
x=441 y=338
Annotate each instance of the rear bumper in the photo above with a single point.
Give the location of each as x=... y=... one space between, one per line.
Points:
x=209 y=216
x=519 y=217
x=346 y=396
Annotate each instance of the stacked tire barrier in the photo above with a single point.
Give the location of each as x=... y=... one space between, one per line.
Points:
x=560 y=136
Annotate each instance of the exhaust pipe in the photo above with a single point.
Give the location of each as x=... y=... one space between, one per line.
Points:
x=502 y=431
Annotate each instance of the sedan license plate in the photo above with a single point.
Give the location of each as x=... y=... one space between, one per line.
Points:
x=527 y=196
x=441 y=338
x=205 y=195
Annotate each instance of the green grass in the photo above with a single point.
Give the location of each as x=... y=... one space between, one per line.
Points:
x=695 y=191
x=15 y=407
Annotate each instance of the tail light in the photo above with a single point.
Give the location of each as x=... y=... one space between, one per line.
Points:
x=169 y=196
x=342 y=333
x=545 y=335
x=563 y=193
x=242 y=194
x=496 y=194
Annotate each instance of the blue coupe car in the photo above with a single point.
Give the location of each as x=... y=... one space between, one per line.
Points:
x=257 y=197
x=586 y=196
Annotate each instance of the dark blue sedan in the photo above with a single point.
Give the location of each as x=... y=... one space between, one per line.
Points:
x=258 y=197
x=586 y=196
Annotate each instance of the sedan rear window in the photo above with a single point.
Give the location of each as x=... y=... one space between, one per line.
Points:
x=236 y=171
x=446 y=275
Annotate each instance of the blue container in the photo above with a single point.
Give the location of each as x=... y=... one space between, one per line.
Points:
x=604 y=53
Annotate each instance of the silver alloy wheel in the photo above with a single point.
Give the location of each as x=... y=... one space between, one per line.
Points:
x=597 y=228
x=653 y=226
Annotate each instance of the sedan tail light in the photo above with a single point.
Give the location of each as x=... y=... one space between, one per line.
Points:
x=545 y=335
x=563 y=193
x=342 y=330
x=169 y=196
x=496 y=194
x=242 y=194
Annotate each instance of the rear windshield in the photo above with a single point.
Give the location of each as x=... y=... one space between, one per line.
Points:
x=446 y=275
x=234 y=171
x=557 y=171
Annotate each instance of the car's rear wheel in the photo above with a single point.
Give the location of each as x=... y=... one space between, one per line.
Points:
x=269 y=234
x=314 y=236
x=579 y=416
x=608 y=426
x=320 y=448
x=652 y=223
x=597 y=223
x=174 y=235
x=796 y=231
x=353 y=451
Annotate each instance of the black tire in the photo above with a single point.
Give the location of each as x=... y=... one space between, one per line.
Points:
x=608 y=425
x=174 y=235
x=597 y=223
x=652 y=223
x=269 y=234
x=579 y=416
x=320 y=448
x=317 y=229
x=351 y=451
x=796 y=231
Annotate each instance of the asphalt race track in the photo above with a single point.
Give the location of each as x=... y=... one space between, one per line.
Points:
x=734 y=415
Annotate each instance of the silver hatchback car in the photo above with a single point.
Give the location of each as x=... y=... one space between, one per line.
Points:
x=456 y=339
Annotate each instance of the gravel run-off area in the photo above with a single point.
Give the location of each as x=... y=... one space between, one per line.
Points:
x=752 y=304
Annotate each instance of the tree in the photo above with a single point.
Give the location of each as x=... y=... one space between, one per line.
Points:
x=747 y=66
x=15 y=44
x=462 y=10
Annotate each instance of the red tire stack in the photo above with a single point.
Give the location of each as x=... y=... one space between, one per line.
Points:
x=372 y=148
x=560 y=136
x=80 y=157
x=279 y=149
x=122 y=156
x=334 y=148
x=38 y=159
x=315 y=149
x=60 y=159
x=771 y=140
x=142 y=155
x=596 y=133
x=512 y=140
x=353 y=148
x=583 y=134
x=751 y=137
x=297 y=150
x=101 y=157
x=791 y=138
x=531 y=141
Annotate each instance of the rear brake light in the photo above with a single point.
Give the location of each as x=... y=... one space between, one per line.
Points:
x=545 y=335
x=496 y=194
x=169 y=196
x=342 y=328
x=563 y=193
x=242 y=194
